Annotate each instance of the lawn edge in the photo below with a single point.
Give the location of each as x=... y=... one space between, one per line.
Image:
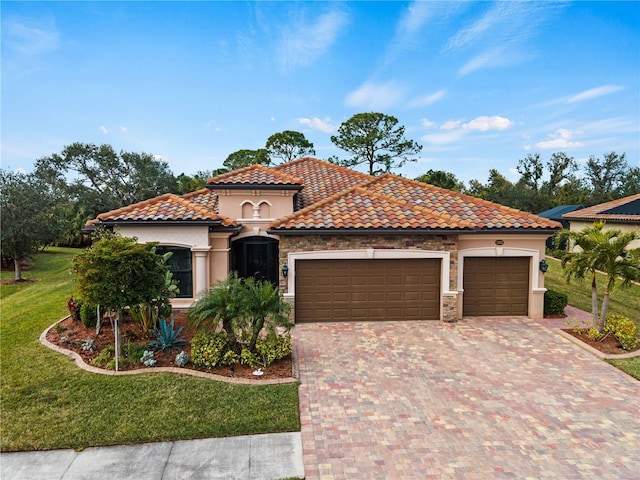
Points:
x=593 y=351
x=180 y=371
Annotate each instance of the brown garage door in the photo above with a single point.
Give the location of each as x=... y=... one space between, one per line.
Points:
x=356 y=290
x=496 y=286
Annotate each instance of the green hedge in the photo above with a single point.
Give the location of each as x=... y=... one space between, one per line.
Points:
x=554 y=302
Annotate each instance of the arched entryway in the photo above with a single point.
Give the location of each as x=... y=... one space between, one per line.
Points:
x=256 y=257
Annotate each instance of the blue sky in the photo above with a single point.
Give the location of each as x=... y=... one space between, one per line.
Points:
x=478 y=84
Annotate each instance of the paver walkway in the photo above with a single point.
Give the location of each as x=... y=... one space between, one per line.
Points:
x=478 y=399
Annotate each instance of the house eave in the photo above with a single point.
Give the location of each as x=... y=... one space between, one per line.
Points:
x=396 y=231
x=253 y=186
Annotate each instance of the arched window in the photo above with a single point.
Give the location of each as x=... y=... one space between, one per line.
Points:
x=180 y=264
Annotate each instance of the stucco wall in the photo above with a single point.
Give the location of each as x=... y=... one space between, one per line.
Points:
x=269 y=204
x=577 y=225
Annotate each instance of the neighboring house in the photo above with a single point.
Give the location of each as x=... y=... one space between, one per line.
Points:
x=622 y=214
x=343 y=245
x=556 y=214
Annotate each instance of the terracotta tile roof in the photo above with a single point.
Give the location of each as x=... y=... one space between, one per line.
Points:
x=205 y=198
x=483 y=214
x=359 y=208
x=166 y=208
x=255 y=175
x=625 y=209
x=321 y=179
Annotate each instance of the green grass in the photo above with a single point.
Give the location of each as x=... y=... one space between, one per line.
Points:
x=629 y=365
x=623 y=301
x=46 y=402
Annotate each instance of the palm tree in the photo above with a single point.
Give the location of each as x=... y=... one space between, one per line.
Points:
x=221 y=304
x=263 y=301
x=595 y=249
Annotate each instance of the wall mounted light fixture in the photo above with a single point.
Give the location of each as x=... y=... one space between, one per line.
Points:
x=544 y=266
x=285 y=271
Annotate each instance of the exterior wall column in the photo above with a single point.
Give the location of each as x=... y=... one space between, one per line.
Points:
x=201 y=278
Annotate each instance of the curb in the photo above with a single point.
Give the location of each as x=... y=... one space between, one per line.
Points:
x=593 y=351
x=180 y=371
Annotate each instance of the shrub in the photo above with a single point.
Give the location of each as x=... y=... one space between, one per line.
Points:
x=88 y=315
x=624 y=329
x=148 y=359
x=554 y=302
x=166 y=336
x=248 y=358
x=181 y=359
x=211 y=349
x=274 y=348
x=594 y=334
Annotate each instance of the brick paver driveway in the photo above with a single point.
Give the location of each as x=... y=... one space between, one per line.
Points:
x=479 y=399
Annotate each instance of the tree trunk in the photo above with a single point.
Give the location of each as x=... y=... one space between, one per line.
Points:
x=17 y=269
x=257 y=328
x=594 y=304
x=605 y=307
x=118 y=334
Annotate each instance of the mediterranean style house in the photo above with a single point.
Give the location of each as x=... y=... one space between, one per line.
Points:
x=344 y=246
x=622 y=214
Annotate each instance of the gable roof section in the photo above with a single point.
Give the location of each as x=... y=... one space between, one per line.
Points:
x=321 y=179
x=167 y=208
x=255 y=176
x=357 y=208
x=624 y=210
x=205 y=198
x=482 y=213
x=390 y=202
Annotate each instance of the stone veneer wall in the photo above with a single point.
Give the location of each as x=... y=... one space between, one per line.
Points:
x=441 y=243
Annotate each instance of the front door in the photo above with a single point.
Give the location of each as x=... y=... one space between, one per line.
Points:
x=256 y=257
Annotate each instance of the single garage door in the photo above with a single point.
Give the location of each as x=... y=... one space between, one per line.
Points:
x=496 y=286
x=357 y=290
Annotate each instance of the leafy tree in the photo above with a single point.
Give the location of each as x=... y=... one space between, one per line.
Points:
x=530 y=168
x=264 y=307
x=376 y=140
x=29 y=222
x=116 y=272
x=289 y=145
x=596 y=249
x=631 y=182
x=442 y=179
x=245 y=158
x=101 y=179
x=187 y=183
x=606 y=176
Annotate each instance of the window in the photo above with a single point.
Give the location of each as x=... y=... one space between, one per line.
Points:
x=181 y=266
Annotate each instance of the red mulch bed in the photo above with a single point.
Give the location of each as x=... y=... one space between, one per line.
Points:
x=609 y=345
x=76 y=334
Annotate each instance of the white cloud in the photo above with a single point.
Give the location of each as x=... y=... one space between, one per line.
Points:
x=427 y=100
x=450 y=124
x=455 y=130
x=30 y=37
x=123 y=128
x=414 y=17
x=562 y=138
x=485 y=123
x=104 y=129
x=426 y=123
x=443 y=138
x=304 y=42
x=594 y=93
x=371 y=95
x=326 y=125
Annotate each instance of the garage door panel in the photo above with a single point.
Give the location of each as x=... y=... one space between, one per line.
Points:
x=496 y=286
x=398 y=289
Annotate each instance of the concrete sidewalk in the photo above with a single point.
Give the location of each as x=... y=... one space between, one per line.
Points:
x=256 y=457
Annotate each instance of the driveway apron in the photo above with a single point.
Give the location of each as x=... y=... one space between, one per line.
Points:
x=481 y=398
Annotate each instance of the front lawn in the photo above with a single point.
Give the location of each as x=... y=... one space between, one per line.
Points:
x=47 y=402
x=623 y=301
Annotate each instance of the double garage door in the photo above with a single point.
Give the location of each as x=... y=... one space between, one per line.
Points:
x=357 y=290
x=496 y=286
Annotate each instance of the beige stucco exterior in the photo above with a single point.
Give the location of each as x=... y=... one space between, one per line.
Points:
x=577 y=225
